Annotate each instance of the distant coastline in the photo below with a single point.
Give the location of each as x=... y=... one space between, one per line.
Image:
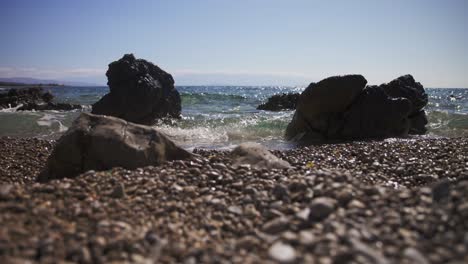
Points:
x=22 y=85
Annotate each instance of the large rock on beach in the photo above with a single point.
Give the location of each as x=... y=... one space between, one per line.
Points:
x=140 y=92
x=96 y=142
x=257 y=156
x=343 y=108
x=406 y=87
x=279 y=102
x=24 y=96
x=376 y=115
x=321 y=100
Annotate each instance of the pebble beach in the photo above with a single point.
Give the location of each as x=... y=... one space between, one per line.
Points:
x=390 y=201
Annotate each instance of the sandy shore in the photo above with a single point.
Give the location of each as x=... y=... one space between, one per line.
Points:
x=392 y=201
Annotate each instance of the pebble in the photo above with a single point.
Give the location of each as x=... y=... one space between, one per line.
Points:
x=118 y=191
x=282 y=253
x=276 y=226
x=415 y=256
x=5 y=190
x=321 y=208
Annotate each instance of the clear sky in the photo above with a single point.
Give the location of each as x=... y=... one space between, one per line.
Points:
x=256 y=42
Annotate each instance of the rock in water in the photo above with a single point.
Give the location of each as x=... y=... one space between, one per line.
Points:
x=257 y=156
x=140 y=92
x=97 y=142
x=320 y=100
x=376 y=115
x=32 y=95
x=280 y=102
x=342 y=108
x=406 y=87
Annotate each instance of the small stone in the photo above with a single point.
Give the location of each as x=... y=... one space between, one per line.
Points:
x=5 y=190
x=247 y=242
x=281 y=252
x=441 y=190
x=118 y=192
x=415 y=256
x=306 y=238
x=303 y=214
x=276 y=226
x=280 y=191
x=356 y=204
x=219 y=166
x=250 y=211
x=321 y=208
x=344 y=197
x=235 y=209
x=463 y=209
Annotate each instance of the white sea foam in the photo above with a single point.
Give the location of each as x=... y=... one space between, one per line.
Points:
x=10 y=109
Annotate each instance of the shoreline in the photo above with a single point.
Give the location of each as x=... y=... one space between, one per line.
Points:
x=394 y=200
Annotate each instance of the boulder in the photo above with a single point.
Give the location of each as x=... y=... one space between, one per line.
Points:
x=359 y=112
x=31 y=95
x=279 y=102
x=257 y=156
x=374 y=114
x=406 y=87
x=418 y=123
x=319 y=101
x=140 y=92
x=96 y=142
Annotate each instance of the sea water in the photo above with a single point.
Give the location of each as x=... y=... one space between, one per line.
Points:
x=223 y=116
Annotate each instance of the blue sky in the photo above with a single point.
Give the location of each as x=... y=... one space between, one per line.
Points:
x=256 y=42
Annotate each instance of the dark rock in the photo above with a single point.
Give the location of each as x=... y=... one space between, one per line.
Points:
x=376 y=115
x=257 y=156
x=418 y=123
x=118 y=191
x=330 y=96
x=406 y=87
x=5 y=191
x=280 y=102
x=441 y=190
x=140 y=92
x=340 y=108
x=321 y=208
x=96 y=142
x=49 y=106
x=15 y=97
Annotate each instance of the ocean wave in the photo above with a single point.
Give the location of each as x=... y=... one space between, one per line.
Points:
x=447 y=123
x=217 y=130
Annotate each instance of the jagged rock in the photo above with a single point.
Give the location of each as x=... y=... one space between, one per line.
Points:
x=140 y=92
x=32 y=95
x=257 y=156
x=376 y=115
x=406 y=87
x=49 y=106
x=418 y=123
x=97 y=142
x=347 y=111
x=280 y=102
x=319 y=101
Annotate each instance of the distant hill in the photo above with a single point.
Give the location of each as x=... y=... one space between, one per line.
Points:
x=30 y=81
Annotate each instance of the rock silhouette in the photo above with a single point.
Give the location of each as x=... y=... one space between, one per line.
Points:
x=140 y=92
x=344 y=108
